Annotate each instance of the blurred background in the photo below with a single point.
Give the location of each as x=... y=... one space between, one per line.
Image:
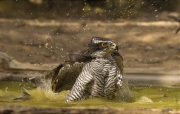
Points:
x=43 y=31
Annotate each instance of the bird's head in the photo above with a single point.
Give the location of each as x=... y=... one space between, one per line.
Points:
x=101 y=47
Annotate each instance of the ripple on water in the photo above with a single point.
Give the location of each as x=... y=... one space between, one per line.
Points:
x=147 y=97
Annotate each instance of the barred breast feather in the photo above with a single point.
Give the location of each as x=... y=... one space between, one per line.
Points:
x=105 y=76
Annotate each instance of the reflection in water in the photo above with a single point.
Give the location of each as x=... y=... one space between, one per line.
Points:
x=149 y=96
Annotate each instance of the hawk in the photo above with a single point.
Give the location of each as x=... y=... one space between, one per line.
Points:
x=95 y=72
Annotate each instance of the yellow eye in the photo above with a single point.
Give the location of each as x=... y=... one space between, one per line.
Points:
x=103 y=45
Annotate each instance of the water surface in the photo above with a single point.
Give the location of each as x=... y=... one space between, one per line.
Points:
x=147 y=96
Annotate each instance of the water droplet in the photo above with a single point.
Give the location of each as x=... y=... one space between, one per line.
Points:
x=46 y=45
x=6 y=89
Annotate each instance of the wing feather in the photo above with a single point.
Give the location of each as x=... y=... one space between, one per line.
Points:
x=64 y=76
x=124 y=93
x=119 y=60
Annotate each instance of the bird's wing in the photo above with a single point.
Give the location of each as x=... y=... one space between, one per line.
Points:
x=64 y=76
x=124 y=93
x=119 y=60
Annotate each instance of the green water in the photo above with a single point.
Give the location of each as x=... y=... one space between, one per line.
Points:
x=147 y=96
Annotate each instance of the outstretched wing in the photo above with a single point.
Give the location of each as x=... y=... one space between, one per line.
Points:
x=64 y=76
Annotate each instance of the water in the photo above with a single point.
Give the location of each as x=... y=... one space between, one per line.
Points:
x=146 y=96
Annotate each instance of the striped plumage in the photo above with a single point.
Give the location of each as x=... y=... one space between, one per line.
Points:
x=102 y=73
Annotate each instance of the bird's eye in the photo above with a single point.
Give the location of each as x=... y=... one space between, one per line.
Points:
x=103 y=44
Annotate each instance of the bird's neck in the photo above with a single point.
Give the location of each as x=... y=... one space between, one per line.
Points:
x=103 y=54
x=106 y=58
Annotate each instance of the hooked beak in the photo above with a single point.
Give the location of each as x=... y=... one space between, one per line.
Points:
x=114 y=46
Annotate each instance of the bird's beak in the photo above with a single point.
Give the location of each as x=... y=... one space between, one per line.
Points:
x=114 y=46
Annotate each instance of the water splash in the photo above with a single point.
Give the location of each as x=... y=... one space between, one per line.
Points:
x=46 y=95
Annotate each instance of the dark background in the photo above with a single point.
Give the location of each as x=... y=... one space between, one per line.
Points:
x=93 y=9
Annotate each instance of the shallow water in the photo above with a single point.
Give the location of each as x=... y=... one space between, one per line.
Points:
x=147 y=96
